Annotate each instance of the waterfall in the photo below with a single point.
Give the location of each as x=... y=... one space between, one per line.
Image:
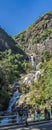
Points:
x=33 y=61
x=12 y=101
x=33 y=76
x=28 y=79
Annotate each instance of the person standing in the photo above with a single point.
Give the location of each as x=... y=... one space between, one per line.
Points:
x=20 y=111
x=46 y=113
x=51 y=109
x=35 y=114
x=38 y=113
x=26 y=115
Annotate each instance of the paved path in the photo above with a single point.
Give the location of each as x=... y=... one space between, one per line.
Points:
x=47 y=126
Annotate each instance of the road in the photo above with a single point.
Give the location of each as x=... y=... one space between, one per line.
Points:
x=47 y=126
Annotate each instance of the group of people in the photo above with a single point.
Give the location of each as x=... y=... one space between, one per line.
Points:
x=47 y=113
x=37 y=114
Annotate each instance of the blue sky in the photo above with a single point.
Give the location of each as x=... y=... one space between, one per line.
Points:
x=17 y=15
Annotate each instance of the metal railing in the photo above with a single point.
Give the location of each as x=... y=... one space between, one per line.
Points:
x=31 y=117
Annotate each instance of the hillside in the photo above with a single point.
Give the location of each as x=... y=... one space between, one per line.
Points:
x=7 y=42
x=15 y=64
x=40 y=92
x=37 y=41
x=38 y=36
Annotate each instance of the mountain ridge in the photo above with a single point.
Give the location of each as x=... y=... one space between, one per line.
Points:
x=37 y=38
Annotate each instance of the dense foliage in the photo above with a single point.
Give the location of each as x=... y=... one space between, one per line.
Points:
x=11 y=67
x=40 y=92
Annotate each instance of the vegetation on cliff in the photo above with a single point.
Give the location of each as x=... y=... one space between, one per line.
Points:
x=37 y=40
x=40 y=92
x=38 y=36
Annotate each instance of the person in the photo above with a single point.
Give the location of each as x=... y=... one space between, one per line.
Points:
x=20 y=111
x=35 y=113
x=26 y=115
x=46 y=113
x=51 y=109
x=38 y=113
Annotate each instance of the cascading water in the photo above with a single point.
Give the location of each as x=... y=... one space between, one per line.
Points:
x=33 y=61
x=34 y=64
x=33 y=76
x=12 y=101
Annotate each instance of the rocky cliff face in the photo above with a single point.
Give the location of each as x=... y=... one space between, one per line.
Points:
x=38 y=37
x=6 y=42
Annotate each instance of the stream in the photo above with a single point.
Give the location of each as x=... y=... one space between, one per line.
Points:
x=12 y=101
